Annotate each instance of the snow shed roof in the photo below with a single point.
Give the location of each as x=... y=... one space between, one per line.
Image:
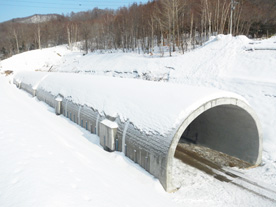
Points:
x=150 y=106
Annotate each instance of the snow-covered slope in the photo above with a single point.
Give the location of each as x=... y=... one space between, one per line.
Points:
x=36 y=59
x=30 y=160
x=222 y=56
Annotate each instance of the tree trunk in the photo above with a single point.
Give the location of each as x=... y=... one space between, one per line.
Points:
x=38 y=37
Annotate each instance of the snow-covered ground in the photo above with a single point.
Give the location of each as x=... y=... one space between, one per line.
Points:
x=50 y=161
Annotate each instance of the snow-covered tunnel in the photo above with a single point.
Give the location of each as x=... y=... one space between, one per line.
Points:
x=146 y=120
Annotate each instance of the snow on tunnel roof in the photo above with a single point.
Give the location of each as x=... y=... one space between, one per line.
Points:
x=150 y=106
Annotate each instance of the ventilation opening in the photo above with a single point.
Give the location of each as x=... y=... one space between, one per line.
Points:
x=225 y=135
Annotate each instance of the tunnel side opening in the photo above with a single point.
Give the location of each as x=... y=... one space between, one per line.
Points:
x=226 y=129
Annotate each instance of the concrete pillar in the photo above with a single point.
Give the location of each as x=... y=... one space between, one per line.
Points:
x=34 y=92
x=58 y=105
x=107 y=133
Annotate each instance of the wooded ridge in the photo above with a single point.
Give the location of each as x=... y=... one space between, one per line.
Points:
x=174 y=24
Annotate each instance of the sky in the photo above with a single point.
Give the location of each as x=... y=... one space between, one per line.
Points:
x=10 y=9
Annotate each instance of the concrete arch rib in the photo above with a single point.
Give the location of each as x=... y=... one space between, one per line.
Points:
x=239 y=132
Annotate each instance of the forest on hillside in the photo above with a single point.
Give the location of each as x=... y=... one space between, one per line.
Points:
x=176 y=24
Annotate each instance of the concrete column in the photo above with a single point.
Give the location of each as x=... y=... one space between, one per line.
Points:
x=58 y=105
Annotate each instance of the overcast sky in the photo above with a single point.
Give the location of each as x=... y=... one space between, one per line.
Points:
x=10 y=9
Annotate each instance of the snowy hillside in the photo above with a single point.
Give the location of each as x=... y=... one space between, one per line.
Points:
x=37 y=18
x=65 y=166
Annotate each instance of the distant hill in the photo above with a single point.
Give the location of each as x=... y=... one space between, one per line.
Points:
x=36 y=18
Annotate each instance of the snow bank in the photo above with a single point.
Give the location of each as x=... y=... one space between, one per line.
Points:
x=223 y=56
x=44 y=59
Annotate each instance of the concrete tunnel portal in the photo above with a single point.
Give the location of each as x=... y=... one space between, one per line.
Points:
x=225 y=125
x=227 y=129
x=218 y=120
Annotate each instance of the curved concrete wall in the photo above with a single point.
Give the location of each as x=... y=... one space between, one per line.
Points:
x=228 y=125
x=223 y=122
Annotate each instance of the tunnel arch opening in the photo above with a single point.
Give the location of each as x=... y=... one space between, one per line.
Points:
x=226 y=125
